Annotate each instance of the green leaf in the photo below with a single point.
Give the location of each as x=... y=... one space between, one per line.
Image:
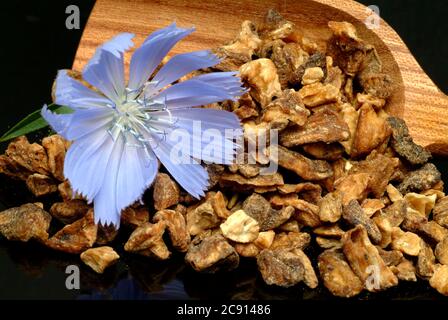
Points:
x=32 y=122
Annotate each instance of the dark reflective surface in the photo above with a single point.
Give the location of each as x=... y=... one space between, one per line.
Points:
x=36 y=45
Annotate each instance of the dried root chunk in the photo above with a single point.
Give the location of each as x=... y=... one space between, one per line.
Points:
x=347 y=50
x=276 y=218
x=405 y=271
x=248 y=250
x=134 y=217
x=287 y=57
x=275 y=26
x=403 y=144
x=353 y=187
x=211 y=254
x=350 y=116
x=69 y=211
x=309 y=276
x=166 y=192
x=147 y=240
x=432 y=230
x=286 y=267
x=317 y=94
x=372 y=206
x=246 y=112
x=32 y=157
x=24 y=223
x=290 y=226
x=285 y=109
x=328 y=243
x=246 y=43
x=12 y=169
x=257 y=207
x=393 y=193
x=420 y=204
x=248 y=170
x=76 y=237
x=413 y=221
x=385 y=228
x=307 y=213
x=439 y=194
x=442 y=251
x=308 y=191
x=375 y=102
x=426 y=261
x=219 y=205
x=334 y=75
x=214 y=172
x=177 y=228
x=330 y=208
x=99 y=258
x=280 y=267
x=421 y=179
x=312 y=75
x=41 y=185
x=396 y=213
x=240 y=227
x=304 y=167
x=201 y=218
x=365 y=260
x=323 y=151
x=332 y=230
x=439 y=280
x=371 y=131
x=291 y=240
x=440 y=212
x=263 y=241
x=239 y=182
x=261 y=76
x=322 y=126
x=407 y=242
x=337 y=275
x=376 y=84
x=380 y=169
x=55 y=147
x=392 y=257
x=354 y=214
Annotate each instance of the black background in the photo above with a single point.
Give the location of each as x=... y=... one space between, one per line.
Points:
x=35 y=44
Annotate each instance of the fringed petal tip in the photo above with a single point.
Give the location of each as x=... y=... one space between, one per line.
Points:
x=230 y=82
x=107 y=223
x=116 y=46
x=105 y=70
x=72 y=93
x=58 y=122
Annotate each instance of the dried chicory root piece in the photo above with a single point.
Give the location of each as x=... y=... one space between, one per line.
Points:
x=99 y=258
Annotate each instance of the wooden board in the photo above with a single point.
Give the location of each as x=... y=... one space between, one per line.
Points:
x=416 y=98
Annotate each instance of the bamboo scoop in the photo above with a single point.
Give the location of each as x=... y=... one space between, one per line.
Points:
x=416 y=98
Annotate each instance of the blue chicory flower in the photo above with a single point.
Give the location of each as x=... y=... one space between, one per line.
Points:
x=119 y=131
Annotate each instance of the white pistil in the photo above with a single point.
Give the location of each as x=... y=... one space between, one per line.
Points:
x=133 y=118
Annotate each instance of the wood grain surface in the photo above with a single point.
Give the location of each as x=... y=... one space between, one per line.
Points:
x=416 y=98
